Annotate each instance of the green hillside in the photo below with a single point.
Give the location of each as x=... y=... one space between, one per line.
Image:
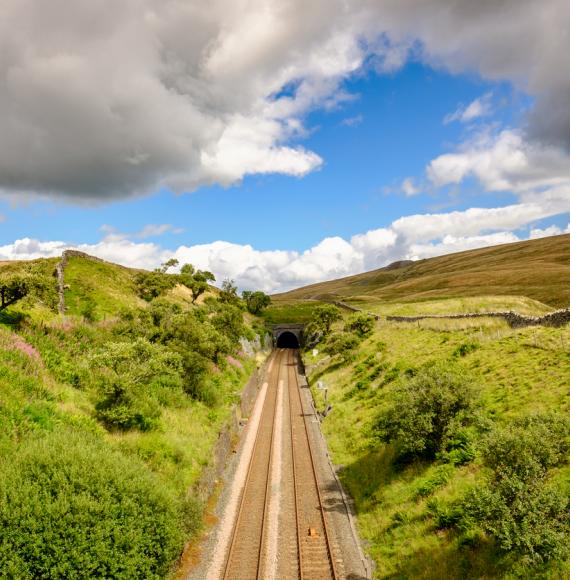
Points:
x=536 y=269
x=429 y=513
x=486 y=495
x=108 y=418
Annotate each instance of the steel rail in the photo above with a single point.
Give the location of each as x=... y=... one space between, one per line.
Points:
x=227 y=568
x=316 y=481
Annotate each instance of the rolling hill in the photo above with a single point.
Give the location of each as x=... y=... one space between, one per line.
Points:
x=536 y=269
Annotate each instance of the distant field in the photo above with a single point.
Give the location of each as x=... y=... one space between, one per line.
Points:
x=473 y=304
x=536 y=269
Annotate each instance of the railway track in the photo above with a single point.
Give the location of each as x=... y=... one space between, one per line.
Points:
x=316 y=558
x=247 y=556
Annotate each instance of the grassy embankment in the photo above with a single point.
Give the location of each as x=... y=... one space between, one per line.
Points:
x=519 y=372
x=410 y=512
x=84 y=492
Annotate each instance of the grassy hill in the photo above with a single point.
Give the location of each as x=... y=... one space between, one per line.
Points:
x=413 y=511
x=536 y=269
x=467 y=509
x=108 y=418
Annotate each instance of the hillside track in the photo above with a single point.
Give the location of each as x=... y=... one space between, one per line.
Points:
x=301 y=546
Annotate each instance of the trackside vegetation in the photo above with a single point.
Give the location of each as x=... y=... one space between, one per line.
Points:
x=453 y=438
x=109 y=416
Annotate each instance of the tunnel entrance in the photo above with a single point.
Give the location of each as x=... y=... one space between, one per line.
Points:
x=287 y=340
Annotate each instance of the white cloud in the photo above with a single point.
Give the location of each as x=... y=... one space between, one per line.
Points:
x=478 y=108
x=536 y=233
x=156 y=230
x=450 y=243
x=115 y=99
x=352 y=121
x=410 y=237
x=507 y=162
x=409 y=188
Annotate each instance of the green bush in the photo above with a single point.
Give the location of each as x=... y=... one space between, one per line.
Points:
x=129 y=376
x=342 y=343
x=427 y=409
x=518 y=506
x=72 y=508
x=464 y=349
x=323 y=318
x=361 y=324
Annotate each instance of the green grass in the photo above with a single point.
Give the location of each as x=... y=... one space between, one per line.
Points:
x=128 y=498
x=84 y=280
x=43 y=401
x=519 y=372
x=469 y=304
x=289 y=312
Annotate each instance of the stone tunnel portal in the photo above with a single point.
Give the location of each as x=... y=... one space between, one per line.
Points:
x=287 y=340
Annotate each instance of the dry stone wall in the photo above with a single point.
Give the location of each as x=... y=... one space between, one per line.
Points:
x=514 y=320
x=60 y=273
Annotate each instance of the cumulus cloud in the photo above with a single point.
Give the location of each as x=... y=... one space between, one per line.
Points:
x=411 y=237
x=536 y=233
x=538 y=174
x=103 y=99
x=480 y=107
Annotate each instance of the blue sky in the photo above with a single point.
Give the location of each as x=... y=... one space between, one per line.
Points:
x=391 y=129
x=436 y=142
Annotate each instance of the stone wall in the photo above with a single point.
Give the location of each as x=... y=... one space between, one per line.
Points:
x=354 y=309
x=60 y=273
x=514 y=320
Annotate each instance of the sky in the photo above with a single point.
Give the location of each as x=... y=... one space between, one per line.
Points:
x=281 y=142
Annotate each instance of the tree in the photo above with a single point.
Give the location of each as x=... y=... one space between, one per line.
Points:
x=323 y=318
x=195 y=280
x=150 y=285
x=13 y=287
x=256 y=301
x=228 y=293
x=172 y=263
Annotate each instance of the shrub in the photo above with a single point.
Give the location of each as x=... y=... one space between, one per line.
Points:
x=342 y=343
x=464 y=349
x=323 y=318
x=439 y=477
x=361 y=324
x=71 y=507
x=88 y=310
x=518 y=507
x=427 y=409
x=128 y=377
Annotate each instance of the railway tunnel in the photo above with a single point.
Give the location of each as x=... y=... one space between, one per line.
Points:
x=287 y=335
x=287 y=340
